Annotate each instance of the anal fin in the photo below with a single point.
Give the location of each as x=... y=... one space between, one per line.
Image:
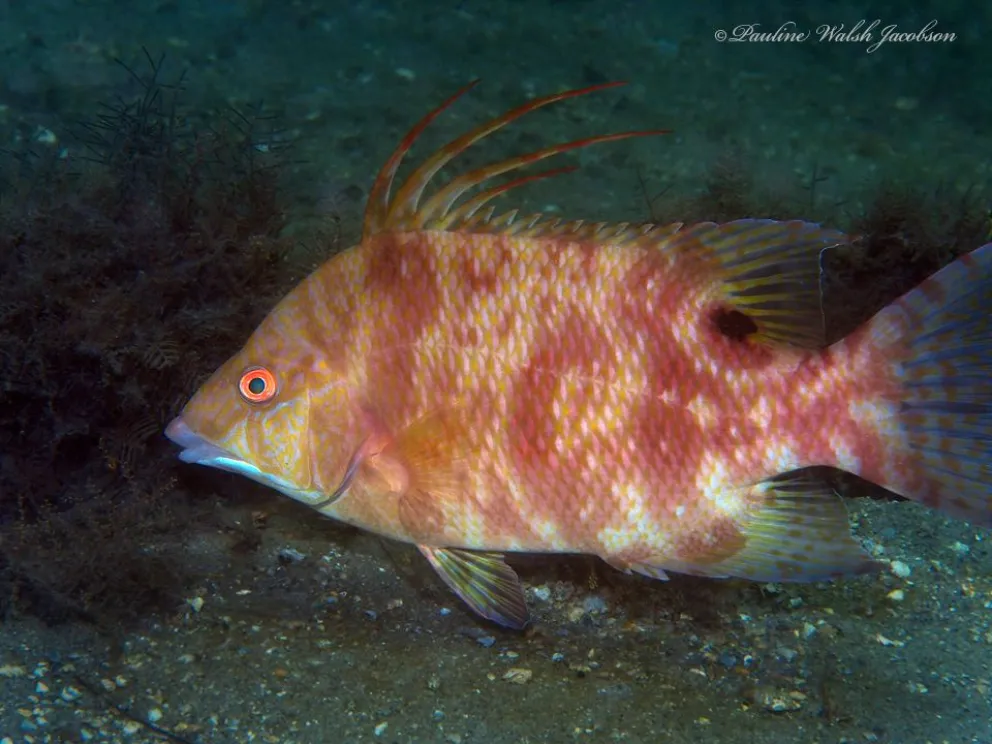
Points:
x=652 y=572
x=644 y=569
x=799 y=533
x=483 y=581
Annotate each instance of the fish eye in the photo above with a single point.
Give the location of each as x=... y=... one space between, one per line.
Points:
x=257 y=385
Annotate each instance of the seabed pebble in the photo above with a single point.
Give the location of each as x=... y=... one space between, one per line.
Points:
x=901 y=569
x=518 y=675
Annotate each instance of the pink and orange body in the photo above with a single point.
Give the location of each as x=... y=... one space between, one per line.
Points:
x=467 y=382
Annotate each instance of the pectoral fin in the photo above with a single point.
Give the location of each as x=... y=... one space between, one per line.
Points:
x=429 y=454
x=483 y=581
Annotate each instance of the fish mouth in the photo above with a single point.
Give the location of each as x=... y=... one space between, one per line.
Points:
x=199 y=451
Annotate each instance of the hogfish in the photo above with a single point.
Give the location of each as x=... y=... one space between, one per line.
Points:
x=478 y=383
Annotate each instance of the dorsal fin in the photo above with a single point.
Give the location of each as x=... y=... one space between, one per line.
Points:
x=768 y=270
x=385 y=212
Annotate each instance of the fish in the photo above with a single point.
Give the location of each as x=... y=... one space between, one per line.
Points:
x=479 y=383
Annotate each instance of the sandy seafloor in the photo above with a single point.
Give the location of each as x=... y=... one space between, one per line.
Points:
x=343 y=639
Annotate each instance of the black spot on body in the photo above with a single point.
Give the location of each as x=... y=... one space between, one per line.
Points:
x=732 y=323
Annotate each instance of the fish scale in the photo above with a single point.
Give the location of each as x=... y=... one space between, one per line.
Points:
x=478 y=383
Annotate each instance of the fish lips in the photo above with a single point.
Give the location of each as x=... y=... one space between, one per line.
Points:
x=199 y=451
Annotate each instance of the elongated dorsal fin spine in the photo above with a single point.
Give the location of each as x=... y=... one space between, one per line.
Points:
x=404 y=211
x=377 y=207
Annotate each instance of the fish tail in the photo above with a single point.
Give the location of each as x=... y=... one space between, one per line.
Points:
x=937 y=422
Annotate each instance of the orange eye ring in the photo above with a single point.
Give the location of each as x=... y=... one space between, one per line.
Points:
x=257 y=385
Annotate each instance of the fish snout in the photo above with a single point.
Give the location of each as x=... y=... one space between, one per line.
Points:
x=179 y=432
x=196 y=449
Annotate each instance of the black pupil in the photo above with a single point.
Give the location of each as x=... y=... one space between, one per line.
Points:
x=256 y=385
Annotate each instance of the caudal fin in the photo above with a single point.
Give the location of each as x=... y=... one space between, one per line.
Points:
x=940 y=338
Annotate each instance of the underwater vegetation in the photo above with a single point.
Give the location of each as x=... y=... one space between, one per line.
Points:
x=130 y=274
x=125 y=266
